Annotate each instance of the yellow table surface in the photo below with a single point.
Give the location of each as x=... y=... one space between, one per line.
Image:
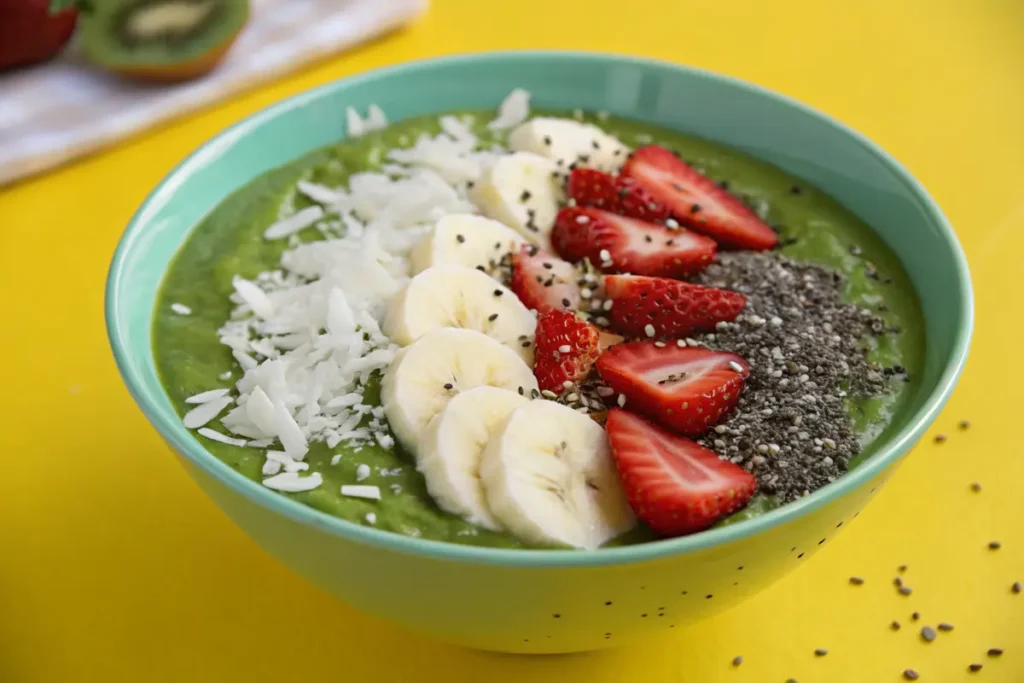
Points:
x=114 y=567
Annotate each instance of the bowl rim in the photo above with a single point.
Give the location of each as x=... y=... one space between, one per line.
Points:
x=168 y=424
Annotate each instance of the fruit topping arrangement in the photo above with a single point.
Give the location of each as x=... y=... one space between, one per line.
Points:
x=594 y=242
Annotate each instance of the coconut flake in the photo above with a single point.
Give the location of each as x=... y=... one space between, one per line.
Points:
x=361 y=491
x=217 y=436
x=291 y=482
x=320 y=194
x=181 y=309
x=513 y=110
x=375 y=119
x=204 y=412
x=288 y=432
x=207 y=396
x=260 y=410
x=298 y=221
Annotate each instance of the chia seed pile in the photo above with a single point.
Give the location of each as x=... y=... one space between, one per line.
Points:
x=805 y=346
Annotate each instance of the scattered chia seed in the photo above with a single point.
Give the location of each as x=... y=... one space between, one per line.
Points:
x=902 y=568
x=994 y=651
x=928 y=634
x=1016 y=587
x=736 y=661
x=976 y=486
x=940 y=438
x=800 y=369
x=974 y=668
x=915 y=616
x=994 y=545
x=945 y=627
x=910 y=675
x=820 y=652
x=856 y=581
x=965 y=424
x=895 y=625
x=906 y=590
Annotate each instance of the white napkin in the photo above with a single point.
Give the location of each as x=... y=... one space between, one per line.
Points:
x=66 y=108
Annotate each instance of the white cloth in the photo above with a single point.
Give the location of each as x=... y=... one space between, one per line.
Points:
x=63 y=109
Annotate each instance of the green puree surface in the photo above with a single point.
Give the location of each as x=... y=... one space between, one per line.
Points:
x=229 y=241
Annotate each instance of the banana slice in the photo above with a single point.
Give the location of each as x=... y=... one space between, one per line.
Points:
x=457 y=296
x=523 y=191
x=569 y=142
x=453 y=445
x=550 y=479
x=465 y=240
x=423 y=377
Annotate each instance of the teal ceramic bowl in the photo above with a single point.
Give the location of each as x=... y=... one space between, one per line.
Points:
x=536 y=600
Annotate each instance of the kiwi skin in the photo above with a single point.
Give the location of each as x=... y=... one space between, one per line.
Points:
x=166 y=59
x=181 y=71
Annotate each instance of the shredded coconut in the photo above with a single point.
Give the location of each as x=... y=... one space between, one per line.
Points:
x=181 y=309
x=513 y=111
x=204 y=412
x=207 y=396
x=217 y=436
x=355 y=491
x=296 y=222
x=291 y=482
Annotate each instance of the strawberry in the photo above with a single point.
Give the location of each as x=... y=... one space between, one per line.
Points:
x=658 y=307
x=684 y=388
x=30 y=33
x=695 y=200
x=673 y=484
x=617 y=194
x=542 y=281
x=617 y=244
x=565 y=348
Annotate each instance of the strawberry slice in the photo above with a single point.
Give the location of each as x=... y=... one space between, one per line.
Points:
x=695 y=200
x=673 y=484
x=542 y=281
x=684 y=388
x=618 y=244
x=617 y=194
x=658 y=307
x=565 y=348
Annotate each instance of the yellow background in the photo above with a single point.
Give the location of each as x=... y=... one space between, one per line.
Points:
x=114 y=567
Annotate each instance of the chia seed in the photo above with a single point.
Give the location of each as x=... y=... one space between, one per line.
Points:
x=801 y=368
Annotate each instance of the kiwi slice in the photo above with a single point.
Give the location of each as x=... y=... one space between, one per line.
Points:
x=162 y=39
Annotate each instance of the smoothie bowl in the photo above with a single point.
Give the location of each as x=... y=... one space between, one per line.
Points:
x=540 y=352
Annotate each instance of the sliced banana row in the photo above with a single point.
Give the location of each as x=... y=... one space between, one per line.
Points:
x=458 y=396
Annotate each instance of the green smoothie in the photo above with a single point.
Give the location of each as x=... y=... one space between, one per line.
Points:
x=229 y=242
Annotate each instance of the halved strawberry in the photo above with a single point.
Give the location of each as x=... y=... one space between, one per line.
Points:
x=617 y=194
x=673 y=484
x=542 y=281
x=658 y=307
x=617 y=244
x=565 y=348
x=696 y=201
x=684 y=388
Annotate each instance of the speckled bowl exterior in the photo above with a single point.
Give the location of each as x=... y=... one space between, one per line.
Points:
x=549 y=601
